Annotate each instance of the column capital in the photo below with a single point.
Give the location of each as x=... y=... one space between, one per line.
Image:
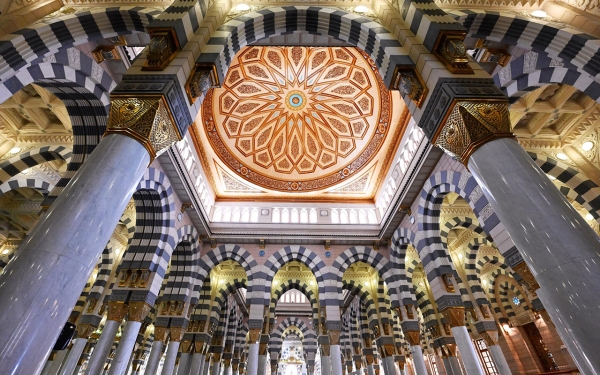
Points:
x=386 y=350
x=455 y=316
x=334 y=337
x=325 y=350
x=254 y=335
x=177 y=333
x=469 y=124
x=262 y=348
x=160 y=333
x=117 y=310
x=413 y=337
x=490 y=337
x=85 y=330
x=147 y=119
x=138 y=311
x=523 y=270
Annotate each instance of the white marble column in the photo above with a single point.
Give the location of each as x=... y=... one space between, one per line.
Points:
x=61 y=252
x=184 y=364
x=262 y=365
x=418 y=360
x=558 y=245
x=467 y=351
x=73 y=357
x=206 y=365
x=402 y=369
x=370 y=370
x=197 y=363
x=227 y=370
x=57 y=362
x=336 y=359
x=154 y=358
x=252 y=366
x=455 y=365
x=325 y=365
x=499 y=360
x=388 y=365
x=216 y=369
x=46 y=368
x=96 y=362
x=447 y=366
x=170 y=358
x=120 y=362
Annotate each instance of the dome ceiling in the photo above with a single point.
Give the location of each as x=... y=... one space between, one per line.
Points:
x=299 y=120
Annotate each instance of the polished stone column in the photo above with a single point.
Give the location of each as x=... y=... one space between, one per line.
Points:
x=388 y=364
x=206 y=366
x=154 y=357
x=184 y=364
x=262 y=365
x=46 y=368
x=253 y=350
x=467 y=351
x=96 y=362
x=370 y=370
x=418 y=360
x=71 y=362
x=336 y=359
x=500 y=360
x=455 y=365
x=448 y=366
x=57 y=362
x=216 y=368
x=227 y=370
x=170 y=358
x=325 y=365
x=197 y=363
x=557 y=244
x=62 y=250
x=402 y=369
x=120 y=362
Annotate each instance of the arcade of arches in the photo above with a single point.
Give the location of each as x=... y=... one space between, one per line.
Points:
x=195 y=187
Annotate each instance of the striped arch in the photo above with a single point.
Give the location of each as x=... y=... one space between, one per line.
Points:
x=153 y=240
x=401 y=239
x=462 y=222
x=366 y=299
x=19 y=181
x=300 y=286
x=309 y=338
x=302 y=255
x=491 y=290
x=19 y=49
x=370 y=36
x=576 y=185
x=425 y=305
x=15 y=165
x=537 y=35
x=225 y=290
x=182 y=282
x=504 y=287
x=533 y=70
x=230 y=252
x=374 y=259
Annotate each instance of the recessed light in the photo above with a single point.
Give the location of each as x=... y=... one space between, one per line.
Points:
x=15 y=150
x=589 y=217
x=361 y=9
x=561 y=156
x=242 y=7
x=460 y=256
x=484 y=282
x=5 y=252
x=25 y=171
x=587 y=145
x=551 y=177
x=539 y=14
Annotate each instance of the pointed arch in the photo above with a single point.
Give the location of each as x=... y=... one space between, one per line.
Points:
x=230 y=252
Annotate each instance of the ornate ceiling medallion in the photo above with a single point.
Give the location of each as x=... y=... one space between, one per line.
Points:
x=298 y=119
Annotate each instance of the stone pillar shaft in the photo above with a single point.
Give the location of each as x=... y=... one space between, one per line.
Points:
x=499 y=359
x=197 y=363
x=467 y=351
x=98 y=358
x=63 y=249
x=336 y=359
x=69 y=366
x=252 y=366
x=119 y=364
x=418 y=360
x=325 y=365
x=170 y=358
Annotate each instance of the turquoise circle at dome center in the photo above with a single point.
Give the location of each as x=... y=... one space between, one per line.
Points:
x=295 y=100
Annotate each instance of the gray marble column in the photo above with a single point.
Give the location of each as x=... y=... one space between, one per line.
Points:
x=170 y=358
x=62 y=250
x=46 y=368
x=252 y=366
x=206 y=366
x=557 y=244
x=402 y=369
x=73 y=357
x=154 y=358
x=455 y=365
x=227 y=370
x=216 y=369
x=467 y=351
x=370 y=370
x=57 y=362
x=325 y=365
x=448 y=366
x=96 y=362
x=499 y=360
x=388 y=365
x=418 y=360
x=197 y=363
x=262 y=365
x=120 y=362
x=184 y=364
x=336 y=359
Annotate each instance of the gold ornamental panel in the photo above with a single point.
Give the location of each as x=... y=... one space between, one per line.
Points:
x=298 y=119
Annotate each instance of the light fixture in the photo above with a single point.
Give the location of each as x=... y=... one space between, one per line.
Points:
x=562 y=156
x=361 y=9
x=25 y=171
x=551 y=177
x=312 y=283
x=506 y=326
x=460 y=256
x=421 y=284
x=484 y=282
x=366 y=283
x=539 y=14
x=589 y=217
x=587 y=145
x=242 y=7
x=5 y=252
x=275 y=282
x=15 y=150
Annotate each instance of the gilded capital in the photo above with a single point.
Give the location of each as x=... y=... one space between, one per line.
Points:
x=253 y=335
x=490 y=337
x=85 y=330
x=455 y=316
x=386 y=350
x=523 y=270
x=334 y=337
x=325 y=350
x=177 y=333
x=117 y=310
x=146 y=119
x=262 y=348
x=138 y=311
x=413 y=337
x=469 y=124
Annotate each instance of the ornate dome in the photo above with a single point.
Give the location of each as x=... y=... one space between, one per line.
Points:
x=298 y=118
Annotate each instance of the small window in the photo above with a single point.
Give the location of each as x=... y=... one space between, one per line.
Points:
x=295 y=216
x=285 y=216
x=516 y=301
x=485 y=358
x=304 y=216
x=254 y=215
x=236 y=215
x=335 y=217
x=276 y=218
x=313 y=216
x=227 y=215
x=246 y=215
x=344 y=217
x=217 y=215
